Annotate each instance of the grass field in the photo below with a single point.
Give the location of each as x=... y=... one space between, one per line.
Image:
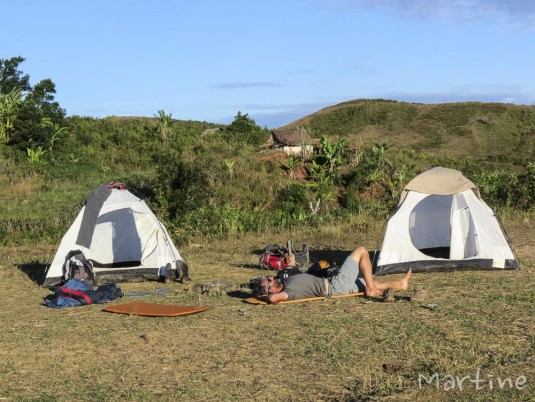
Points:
x=350 y=350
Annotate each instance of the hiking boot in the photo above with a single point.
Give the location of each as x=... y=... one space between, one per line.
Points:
x=388 y=295
x=182 y=272
x=420 y=294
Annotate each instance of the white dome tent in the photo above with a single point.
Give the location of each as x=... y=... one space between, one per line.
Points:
x=119 y=234
x=442 y=223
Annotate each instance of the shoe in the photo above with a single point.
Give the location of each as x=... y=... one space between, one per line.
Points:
x=182 y=272
x=388 y=295
x=420 y=294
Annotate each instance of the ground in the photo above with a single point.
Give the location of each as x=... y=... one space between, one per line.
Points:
x=475 y=325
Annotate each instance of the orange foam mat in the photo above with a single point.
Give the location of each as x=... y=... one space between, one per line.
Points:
x=254 y=300
x=154 y=309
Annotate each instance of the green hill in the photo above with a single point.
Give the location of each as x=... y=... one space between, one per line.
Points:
x=489 y=131
x=206 y=180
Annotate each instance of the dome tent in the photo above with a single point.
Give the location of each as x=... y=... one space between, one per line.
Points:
x=122 y=238
x=442 y=223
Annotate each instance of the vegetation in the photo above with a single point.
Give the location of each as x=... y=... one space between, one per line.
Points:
x=209 y=181
x=222 y=200
x=349 y=350
x=29 y=116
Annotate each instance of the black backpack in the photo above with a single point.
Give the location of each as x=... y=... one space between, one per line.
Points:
x=282 y=275
x=323 y=269
x=78 y=267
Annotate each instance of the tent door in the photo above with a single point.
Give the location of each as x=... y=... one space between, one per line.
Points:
x=116 y=238
x=464 y=242
x=429 y=226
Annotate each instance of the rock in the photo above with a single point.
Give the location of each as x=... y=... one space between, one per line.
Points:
x=214 y=287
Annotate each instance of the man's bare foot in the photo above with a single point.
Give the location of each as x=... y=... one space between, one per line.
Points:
x=379 y=287
x=404 y=283
x=374 y=292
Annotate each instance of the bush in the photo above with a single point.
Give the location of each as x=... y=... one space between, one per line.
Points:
x=243 y=130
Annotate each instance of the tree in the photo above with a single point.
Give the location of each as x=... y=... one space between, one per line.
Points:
x=328 y=161
x=244 y=129
x=34 y=115
x=11 y=77
x=9 y=104
x=165 y=124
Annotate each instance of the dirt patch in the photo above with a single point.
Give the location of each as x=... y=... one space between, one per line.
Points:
x=273 y=156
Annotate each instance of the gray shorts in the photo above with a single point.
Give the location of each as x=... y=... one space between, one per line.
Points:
x=348 y=280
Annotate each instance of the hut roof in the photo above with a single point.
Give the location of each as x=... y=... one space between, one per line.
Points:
x=295 y=137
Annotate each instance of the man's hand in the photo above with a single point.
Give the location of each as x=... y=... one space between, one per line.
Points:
x=277 y=297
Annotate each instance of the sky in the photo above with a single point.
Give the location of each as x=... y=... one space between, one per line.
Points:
x=275 y=60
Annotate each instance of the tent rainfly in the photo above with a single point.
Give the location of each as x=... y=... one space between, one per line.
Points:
x=120 y=235
x=441 y=223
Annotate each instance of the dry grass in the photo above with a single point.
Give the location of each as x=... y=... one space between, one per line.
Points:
x=318 y=351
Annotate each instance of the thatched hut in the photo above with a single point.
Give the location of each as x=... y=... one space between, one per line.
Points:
x=295 y=142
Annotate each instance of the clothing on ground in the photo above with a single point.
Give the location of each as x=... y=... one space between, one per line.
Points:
x=78 y=293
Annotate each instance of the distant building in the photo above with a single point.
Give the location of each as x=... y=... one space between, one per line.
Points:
x=296 y=142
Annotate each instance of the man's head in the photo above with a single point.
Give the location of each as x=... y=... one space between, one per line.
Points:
x=268 y=285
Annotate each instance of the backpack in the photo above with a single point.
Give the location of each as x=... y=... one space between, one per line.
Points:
x=278 y=258
x=76 y=266
x=323 y=269
x=117 y=185
x=282 y=275
x=274 y=257
x=285 y=273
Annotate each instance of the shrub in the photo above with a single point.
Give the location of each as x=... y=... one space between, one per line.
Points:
x=245 y=130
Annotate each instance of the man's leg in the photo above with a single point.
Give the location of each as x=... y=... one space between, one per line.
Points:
x=376 y=288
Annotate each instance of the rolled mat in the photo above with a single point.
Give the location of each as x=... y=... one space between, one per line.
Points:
x=254 y=300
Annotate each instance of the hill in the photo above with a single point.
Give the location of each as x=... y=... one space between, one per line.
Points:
x=206 y=180
x=489 y=131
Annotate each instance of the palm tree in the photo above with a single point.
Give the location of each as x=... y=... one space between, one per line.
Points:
x=165 y=124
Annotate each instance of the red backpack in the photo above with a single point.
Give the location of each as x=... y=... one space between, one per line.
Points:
x=274 y=257
x=279 y=258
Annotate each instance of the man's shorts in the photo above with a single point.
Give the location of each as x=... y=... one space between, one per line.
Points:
x=348 y=280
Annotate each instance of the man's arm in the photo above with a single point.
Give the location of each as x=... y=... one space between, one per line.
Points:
x=277 y=297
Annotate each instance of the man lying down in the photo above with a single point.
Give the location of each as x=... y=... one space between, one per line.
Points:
x=355 y=275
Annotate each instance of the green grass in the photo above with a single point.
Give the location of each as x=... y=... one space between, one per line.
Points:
x=334 y=351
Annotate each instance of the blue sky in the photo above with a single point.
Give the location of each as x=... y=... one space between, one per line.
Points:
x=276 y=60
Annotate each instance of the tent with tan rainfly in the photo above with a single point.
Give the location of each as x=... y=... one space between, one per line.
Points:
x=122 y=238
x=442 y=223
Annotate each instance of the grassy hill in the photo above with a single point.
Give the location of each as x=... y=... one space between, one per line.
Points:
x=488 y=131
x=208 y=180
